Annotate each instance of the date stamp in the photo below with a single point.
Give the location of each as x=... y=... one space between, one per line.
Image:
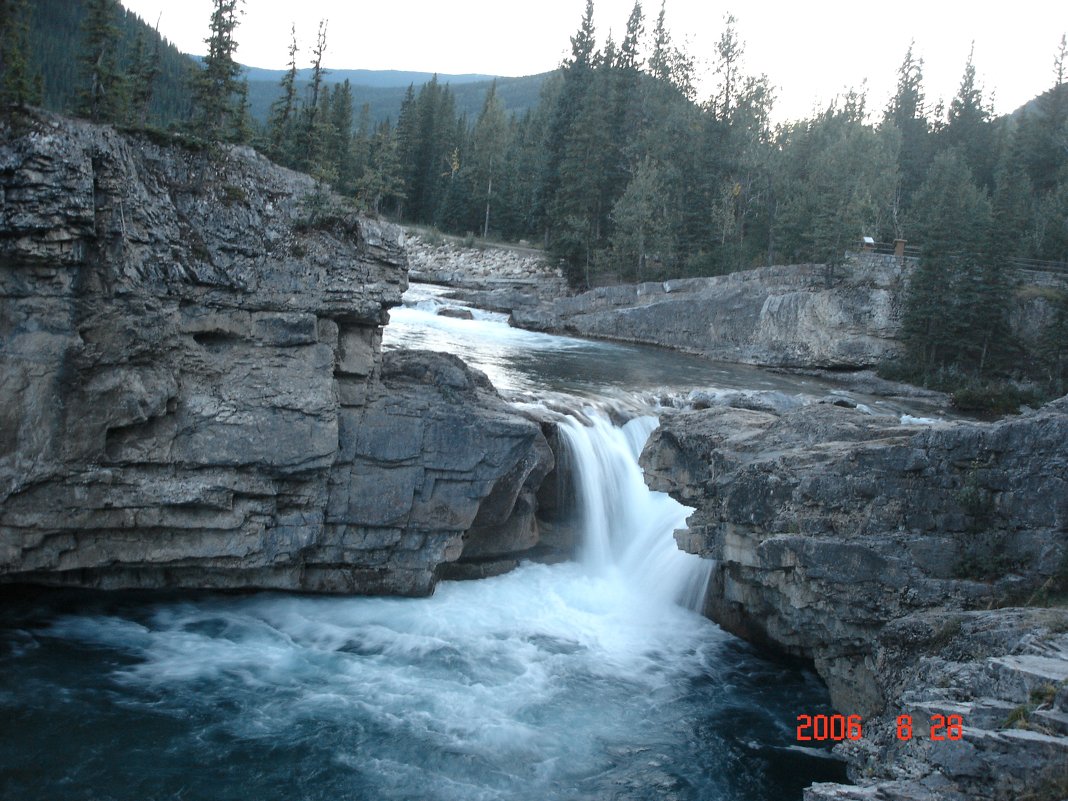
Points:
x=836 y=728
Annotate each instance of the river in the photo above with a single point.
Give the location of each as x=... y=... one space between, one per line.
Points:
x=592 y=679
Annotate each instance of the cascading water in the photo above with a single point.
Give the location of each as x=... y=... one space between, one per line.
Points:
x=627 y=529
x=583 y=680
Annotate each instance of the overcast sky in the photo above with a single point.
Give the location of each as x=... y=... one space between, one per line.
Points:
x=811 y=51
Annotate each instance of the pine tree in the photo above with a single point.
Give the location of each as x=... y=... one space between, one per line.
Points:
x=523 y=214
x=406 y=143
x=957 y=300
x=968 y=127
x=660 y=60
x=340 y=143
x=315 y=134
x=360 y=151
x=1050 y=224
x=1011 y=210
x=640 y=220
x=103 y=95
x=726 y=199
x=629 y=61
x=284 y=109
x=382 y=178
x=667 y=62
x=907 y=113
x=581 y=207
x=145 y=69
x=577 y=74
x=440 y=134
x=19 y=86
x=1044 y=133
x=218 y=88
x=428 y=136
x=729 y=53
x=625 y=112
x=834 y=183
x=489 y=140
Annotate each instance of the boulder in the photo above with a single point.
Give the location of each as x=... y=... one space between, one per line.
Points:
x=455 y=313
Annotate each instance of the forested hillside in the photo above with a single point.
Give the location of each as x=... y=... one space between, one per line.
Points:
x=383 y=94
x=55 y=33
x=57 y=46
x=624 y=173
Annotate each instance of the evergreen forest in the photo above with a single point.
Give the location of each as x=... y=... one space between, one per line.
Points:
x=622 y=172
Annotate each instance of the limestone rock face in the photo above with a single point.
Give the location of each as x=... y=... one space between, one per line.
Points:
x=496 y=277
x=796 y=316
x=870 y=547
x=192 y=390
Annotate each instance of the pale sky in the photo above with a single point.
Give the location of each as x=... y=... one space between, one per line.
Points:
x=810 y=51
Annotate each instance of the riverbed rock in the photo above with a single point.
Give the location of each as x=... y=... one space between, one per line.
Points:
x=192 y=389
x=892 y=558
x=489 y=276
x=784 y=316
x=456 y=313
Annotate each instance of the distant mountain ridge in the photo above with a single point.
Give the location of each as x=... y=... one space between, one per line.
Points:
x=382 y=91
x=377 y=79
x=55 y=44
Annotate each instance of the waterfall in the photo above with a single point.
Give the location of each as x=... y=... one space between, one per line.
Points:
x=628 y=530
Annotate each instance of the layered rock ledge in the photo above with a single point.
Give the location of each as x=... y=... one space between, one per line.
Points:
x=915 y=569
x=785 y=316
x=495 y=277
x=192 y=390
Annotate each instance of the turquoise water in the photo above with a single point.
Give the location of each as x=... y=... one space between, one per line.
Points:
x=547 y=683
x=585 y=680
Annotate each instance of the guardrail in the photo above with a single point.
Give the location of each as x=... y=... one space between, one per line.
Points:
x=1019 y=263
x=1037 y=265
x=891 y=249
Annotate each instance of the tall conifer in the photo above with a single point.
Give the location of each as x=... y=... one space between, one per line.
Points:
x=19 y=85
x=144 y=70
x=103 y=94
x=218 y=89
x=283 y=110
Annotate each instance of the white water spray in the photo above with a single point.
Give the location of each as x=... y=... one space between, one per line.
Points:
x=628 y=530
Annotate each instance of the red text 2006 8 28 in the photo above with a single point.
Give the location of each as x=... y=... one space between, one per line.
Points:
x=821 y=728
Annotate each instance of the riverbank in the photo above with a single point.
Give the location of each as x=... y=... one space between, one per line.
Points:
x=196 y=395
x=923 y=572
x=788 y=316
x=496 y=277
x=841 y=324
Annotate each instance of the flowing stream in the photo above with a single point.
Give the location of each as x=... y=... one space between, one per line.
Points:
x=586 y=680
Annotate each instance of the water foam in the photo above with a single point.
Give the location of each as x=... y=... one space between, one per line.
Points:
x=584 y=680
x=627 y=528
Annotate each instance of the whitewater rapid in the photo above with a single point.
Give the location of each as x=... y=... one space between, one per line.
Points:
x=628 y=530
x=592 y=679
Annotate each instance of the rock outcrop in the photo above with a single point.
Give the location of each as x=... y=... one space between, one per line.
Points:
x=892 y=558
x=192 y=392
x=496 y=277
x=796 y=316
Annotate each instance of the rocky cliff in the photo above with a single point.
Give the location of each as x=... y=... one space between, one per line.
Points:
x=893 y=557
x=192 y=391
x=795 y=316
